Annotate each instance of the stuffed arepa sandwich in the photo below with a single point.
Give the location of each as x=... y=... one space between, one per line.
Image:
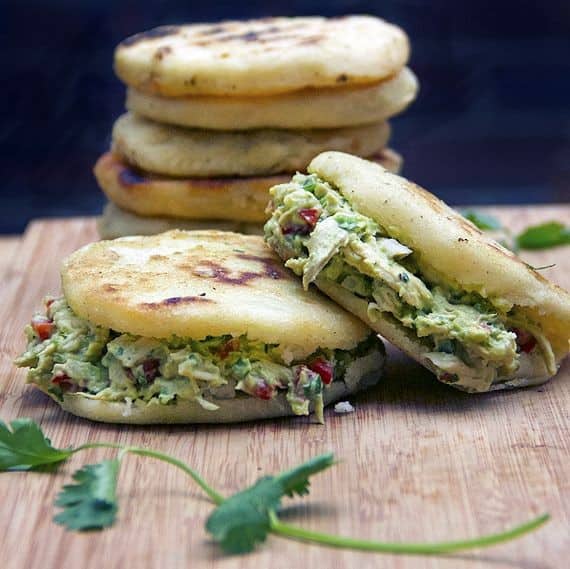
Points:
x=187 y=327
x=420 y=274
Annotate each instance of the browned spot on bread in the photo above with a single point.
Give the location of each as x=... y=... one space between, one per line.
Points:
x=342 y=78
x=215 y=271
x=270 y=269
x=175 y=300
x=162 y=51
x=227 y=33
x=129 y=176
x=263 y=34
x=247 y=36
x=160 y=32
x=311 y=40
x=216 y=30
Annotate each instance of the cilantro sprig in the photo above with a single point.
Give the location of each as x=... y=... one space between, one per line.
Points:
x=238 y=523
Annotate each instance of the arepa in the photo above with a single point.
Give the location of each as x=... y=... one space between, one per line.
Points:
x=420 y=274
x=329 y=107
x=261 y=57
x=193 y=327
x=182 y=152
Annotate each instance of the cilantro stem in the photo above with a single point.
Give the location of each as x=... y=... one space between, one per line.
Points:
x=212 y=494
x=294 y=532
x=97 y=445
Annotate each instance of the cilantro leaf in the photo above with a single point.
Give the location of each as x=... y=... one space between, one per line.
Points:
x=296 y=480
x=25 y=447
x=243 y=520
x=92 y=502
x=549 y=234
x=483 y=221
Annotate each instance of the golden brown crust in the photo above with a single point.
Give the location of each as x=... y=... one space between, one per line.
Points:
x=243 y=199
x=202 y=283
x=448 y=248
x=261 y=57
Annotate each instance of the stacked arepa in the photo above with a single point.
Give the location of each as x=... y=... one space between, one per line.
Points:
x=219 y=113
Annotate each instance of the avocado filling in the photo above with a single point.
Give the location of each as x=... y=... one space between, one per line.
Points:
x=471 y=342
x=67 y=354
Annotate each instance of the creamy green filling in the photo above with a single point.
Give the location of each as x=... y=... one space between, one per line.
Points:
x=67 y=354
x=318 y=233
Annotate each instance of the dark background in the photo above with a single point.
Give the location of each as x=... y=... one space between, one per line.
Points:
x=491 y=125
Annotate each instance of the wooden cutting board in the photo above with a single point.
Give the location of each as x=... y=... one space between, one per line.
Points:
x=419 y=461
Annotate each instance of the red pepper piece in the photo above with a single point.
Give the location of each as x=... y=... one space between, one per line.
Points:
x=63 y=381
x=263 y=391
x=229 y=347
x=525 y=340
x=324 y=368
x=310 y=216
x=150 y=369
x=43 y=327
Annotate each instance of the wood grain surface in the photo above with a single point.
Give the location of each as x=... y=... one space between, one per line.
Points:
x=8 y=248
x=419 y=461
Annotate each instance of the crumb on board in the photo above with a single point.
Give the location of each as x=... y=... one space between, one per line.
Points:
x=343 y=407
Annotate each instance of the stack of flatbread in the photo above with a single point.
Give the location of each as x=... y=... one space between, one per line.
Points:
x=219 y=113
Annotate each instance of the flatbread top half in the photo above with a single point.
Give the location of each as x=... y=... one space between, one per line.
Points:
x=448 y=248
x=203 y=283
x=261 y=57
